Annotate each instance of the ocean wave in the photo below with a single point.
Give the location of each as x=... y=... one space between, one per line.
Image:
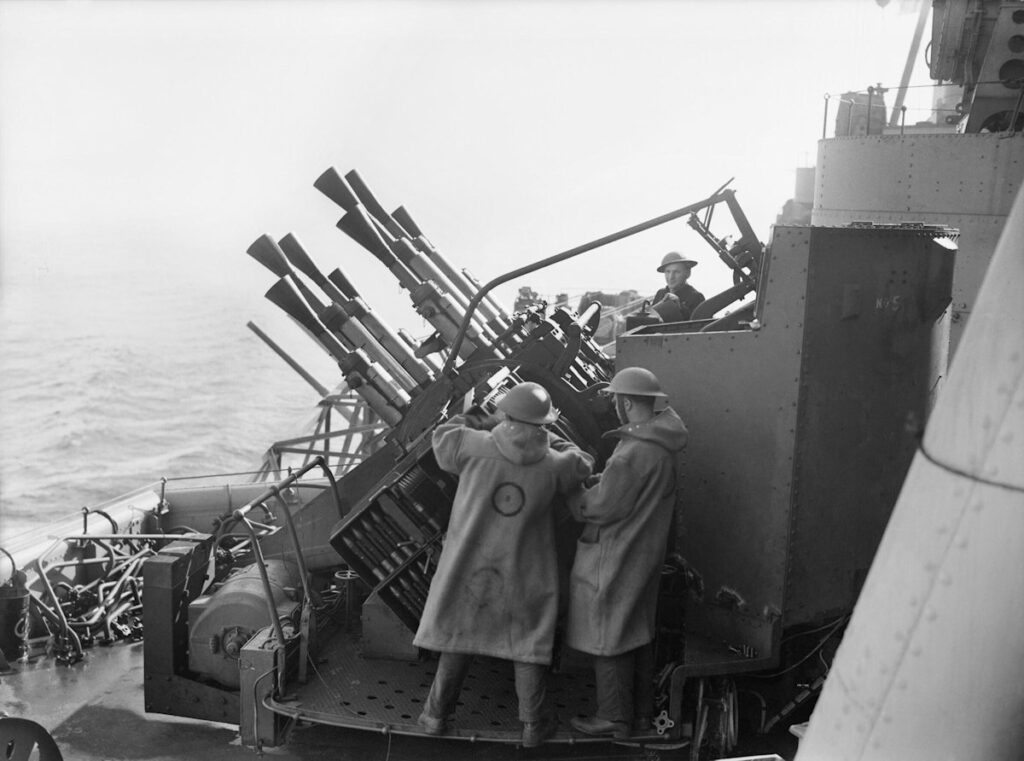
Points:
x=106 y=403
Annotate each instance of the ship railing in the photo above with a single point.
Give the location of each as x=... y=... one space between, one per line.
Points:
x=114 y=599
x=342 y=443
x=81 y=582
x=614 y=317
x=83 y=587
x=864 y=112
x=343 y=446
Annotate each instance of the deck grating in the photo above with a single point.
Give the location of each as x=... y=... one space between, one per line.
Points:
x=353 y=690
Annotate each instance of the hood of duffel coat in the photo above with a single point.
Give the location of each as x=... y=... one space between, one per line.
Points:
x=520 y=443
x=665 y=429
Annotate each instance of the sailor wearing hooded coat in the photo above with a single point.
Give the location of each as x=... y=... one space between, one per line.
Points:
x=627 y=515
x=614 y=588
x=495 y=590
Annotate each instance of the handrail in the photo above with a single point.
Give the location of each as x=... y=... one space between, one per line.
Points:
x=899 y=109
x=57 y=612
x=627 y=307
x=14 y=566
x=275 y=491
x=300 y=561
x=187 y=537
x=261 y=565
x=289 y=481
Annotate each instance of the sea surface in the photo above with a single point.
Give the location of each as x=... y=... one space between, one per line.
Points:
x=111 y=380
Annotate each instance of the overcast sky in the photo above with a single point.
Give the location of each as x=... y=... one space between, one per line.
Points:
x=148 y=137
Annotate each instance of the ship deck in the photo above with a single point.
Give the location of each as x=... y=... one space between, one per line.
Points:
x=386 y=696
x=351 y=707
x=94 y=710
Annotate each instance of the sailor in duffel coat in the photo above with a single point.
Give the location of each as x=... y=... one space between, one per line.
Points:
x=613 y=589
x=495 y=591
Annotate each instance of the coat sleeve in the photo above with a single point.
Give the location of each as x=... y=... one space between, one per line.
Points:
x=559 y=444
x=447 y=443
x=614 y=496
x=576 y=465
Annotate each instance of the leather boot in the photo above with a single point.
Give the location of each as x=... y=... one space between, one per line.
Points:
x=536 y=732
x=594 y=725
x=432 y=725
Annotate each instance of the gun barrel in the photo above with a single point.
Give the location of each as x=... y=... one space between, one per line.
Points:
x=334 y=186
x=321 y=389
x=446 y=318
x=357 y=309
x=266 y=251
x=374 y=399
x=383 y=397
x=360 y=369
x=456 y=305
x=414 y=254
x=343 y=284
x=337 y=318
x=404 y=218
x=372 y=205
x=296 y=254
x=358 y=226
x=396 y=237
x=314 y=303
x=367 y=334
x=434 y=296
x=284 y=294
x=428 y=302
x=422 y=267
x=491 y=310
x=419 y=256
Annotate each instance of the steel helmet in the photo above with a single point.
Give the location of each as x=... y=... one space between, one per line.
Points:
x=674 y=257
x=636 y=381
x=529 y=403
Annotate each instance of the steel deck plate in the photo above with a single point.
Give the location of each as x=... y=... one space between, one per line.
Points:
x=387 y=696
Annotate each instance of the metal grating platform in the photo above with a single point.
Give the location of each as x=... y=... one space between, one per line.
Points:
x=387 y=696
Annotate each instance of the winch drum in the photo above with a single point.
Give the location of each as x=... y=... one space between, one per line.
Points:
x=222 y=622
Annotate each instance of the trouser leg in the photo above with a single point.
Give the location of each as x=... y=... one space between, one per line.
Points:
x=614 y=677
x=531 y=689
x=643 y=681
x=444 y=692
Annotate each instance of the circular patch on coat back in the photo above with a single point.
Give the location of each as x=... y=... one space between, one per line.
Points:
x=508 y=499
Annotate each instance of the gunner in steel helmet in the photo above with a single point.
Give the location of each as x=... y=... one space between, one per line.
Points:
x=677 y=300
x=495 y=591
x=613 y=589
